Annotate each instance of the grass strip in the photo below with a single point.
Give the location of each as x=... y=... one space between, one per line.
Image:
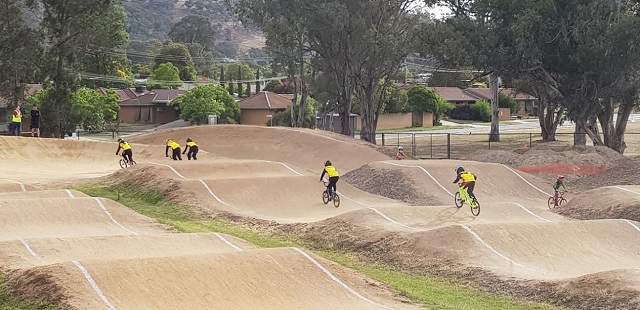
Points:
x=434 y=293
x=8 y=302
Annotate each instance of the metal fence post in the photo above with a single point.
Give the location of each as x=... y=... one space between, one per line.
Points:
x=530 y=139
x=383 y=139
x=431 y=145
x=489 y=141
x=448 y=146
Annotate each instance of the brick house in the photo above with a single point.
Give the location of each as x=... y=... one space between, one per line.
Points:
x=150 y=107
x=255 y=109
x=525 y=101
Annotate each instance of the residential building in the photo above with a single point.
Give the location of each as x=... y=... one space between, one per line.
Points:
x=141 y=106
x=525 y=101
x=260 y=108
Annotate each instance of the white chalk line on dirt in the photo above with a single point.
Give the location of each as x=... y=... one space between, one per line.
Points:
x=627 y=190
x=227 y=242
x=335 y=279
x=525 y=180
x=18 y=182
x=201 y=181
x=529 y=211
x=633 y=225
x=29 y=249
x=286 y=166
x=372 y=208
x=492 y=249
x=94 y=285
x=172 y=169
x=111 y=217
x=69 y=193
x=425 y=171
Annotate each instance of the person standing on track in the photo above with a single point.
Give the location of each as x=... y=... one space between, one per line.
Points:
x=468 y=180
x=35 y=122
x=16 y=121
x=127 y=152
x=191 y=149
x=400 y=155
x=176 y=150
x=333 y=177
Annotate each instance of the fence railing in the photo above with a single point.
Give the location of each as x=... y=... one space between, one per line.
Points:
x=455 y=145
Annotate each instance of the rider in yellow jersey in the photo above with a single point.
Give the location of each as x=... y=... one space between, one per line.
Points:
x=127 y=153
x=191 y=149
x=333 y=177
x=176 y=150
x=468 y=180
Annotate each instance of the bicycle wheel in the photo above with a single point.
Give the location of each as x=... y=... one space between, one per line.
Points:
x=475 y=209
x=325 y=197
x=458 y=201
x=551 y=203
x=123 y=163
x=336 y=200
x=562 y=202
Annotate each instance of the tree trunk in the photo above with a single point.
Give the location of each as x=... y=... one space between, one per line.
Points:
x=494 y=135
x=580 y=133
x=624 y=112
x=549 y=119
x=368 y=112
x=303 y=91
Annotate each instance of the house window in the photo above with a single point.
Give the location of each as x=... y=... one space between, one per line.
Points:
x=528 y=106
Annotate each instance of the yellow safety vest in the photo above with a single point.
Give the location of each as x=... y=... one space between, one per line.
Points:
x=191 y=144
x=173 y=145
x=331 y=171
x=125 y=146
x=18 y=118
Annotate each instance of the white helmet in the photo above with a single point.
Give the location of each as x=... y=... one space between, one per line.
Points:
x=400 y=148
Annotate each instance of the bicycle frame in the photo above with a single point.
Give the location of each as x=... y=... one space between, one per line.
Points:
x=464 y=195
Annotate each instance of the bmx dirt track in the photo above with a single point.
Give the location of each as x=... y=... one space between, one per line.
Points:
x=97 y=254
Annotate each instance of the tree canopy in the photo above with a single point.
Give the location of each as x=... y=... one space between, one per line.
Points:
x=194 y=29
x=197 y=104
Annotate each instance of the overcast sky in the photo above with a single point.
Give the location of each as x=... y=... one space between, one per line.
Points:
x=437 y=11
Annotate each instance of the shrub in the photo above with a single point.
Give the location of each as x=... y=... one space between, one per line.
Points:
x=482 y=111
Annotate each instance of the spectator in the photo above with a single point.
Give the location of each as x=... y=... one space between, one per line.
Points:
x=17 y=121
x=35 y=122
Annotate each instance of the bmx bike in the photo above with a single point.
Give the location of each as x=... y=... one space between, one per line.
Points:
x=462 y=197
x=556 y=200
x=124 y=163
x=326 y=198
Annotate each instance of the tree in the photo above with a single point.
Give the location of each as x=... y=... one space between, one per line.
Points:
x=89 y=109
x=179 y=56
x=19 y=52
x=71 y=28
x=422 y=99
x=167 y=74
x=283 y=119
x=395 y=100
x=505 y=101
x=482 y=111
x=197 y=104
x=450 y=79
x=194 y=29
x=272 y=85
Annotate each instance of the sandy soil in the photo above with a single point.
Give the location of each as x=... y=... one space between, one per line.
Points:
x=272 y=174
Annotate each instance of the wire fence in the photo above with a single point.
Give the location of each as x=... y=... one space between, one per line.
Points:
x=454 y=145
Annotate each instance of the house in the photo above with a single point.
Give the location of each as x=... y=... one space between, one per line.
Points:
x=141 y=106
x=525 y=101
x=256 y=109
x=454 y=95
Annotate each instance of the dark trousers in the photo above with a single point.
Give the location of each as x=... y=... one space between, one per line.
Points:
x=128 y=155
x=176 y=154
x=192 y=153
x=332 y=184
x=469 y=187
x=15 y=129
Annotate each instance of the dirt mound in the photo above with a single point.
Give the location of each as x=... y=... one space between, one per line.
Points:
x=304 y=148
x=543 y=155
x=624 y=172
x=391 y=183
x=603 y=203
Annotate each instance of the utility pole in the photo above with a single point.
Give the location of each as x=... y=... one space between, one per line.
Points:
x=494 y=135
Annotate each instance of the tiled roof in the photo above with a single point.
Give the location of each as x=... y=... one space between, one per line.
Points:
x=485 y=93
x=266 y=101
x=453 y=94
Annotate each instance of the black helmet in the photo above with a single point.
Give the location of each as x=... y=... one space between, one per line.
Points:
x=120 y=140
x=189 y=140
x=327 y=163
x=459 y=169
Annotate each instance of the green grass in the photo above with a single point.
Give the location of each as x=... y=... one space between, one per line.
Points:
x=7 y=302
x=432 y=292
x=444 y=127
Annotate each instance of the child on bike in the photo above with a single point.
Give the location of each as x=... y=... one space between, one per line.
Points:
x=468 y=180
x=176 y=150
x=556 y=187
x=191 y=149
x=400 y=155
x=127 y=153
x=333 y=177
